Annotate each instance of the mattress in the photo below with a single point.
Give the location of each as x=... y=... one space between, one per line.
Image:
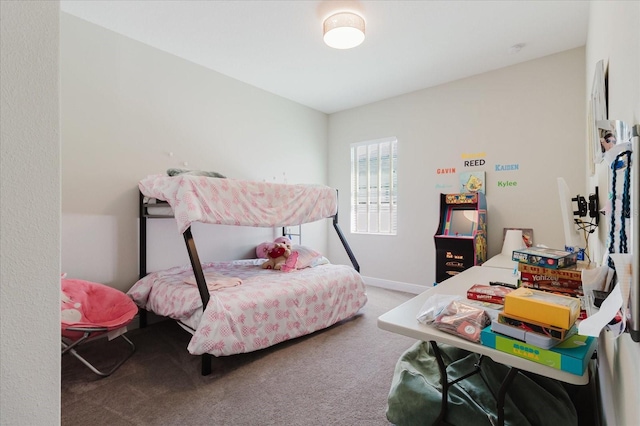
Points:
x=267 y=308
x=239 y=202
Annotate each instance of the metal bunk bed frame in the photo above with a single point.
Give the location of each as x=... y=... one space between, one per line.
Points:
x=195 y=261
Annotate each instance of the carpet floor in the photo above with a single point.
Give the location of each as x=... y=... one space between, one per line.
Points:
x=338 y=376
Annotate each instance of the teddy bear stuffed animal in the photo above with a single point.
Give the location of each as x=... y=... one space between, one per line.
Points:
x=262 y=250
x=277 y=256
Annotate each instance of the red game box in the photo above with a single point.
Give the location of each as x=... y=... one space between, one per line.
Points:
x=488 y=293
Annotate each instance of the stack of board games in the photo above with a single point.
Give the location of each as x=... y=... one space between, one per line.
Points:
x=567 y=280
x=551 y=270
x=541 y=326
x=538 y=317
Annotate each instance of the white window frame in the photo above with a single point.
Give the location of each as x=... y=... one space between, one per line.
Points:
x=380 y=213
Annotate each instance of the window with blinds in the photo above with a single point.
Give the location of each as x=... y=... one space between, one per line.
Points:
x=374 y=187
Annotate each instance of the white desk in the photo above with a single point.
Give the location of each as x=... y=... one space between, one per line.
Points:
x=402 y=320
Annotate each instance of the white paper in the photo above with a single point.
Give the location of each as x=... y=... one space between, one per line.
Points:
x=623 y=265
x=616 y=304
x=608 y=310
x=596 y=279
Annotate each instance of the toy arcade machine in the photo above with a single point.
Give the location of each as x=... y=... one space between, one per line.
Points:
x=461 y=239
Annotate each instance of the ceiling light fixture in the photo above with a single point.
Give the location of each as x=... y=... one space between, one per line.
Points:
x=343 y=30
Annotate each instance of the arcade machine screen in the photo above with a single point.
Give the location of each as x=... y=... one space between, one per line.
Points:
x=462 y=223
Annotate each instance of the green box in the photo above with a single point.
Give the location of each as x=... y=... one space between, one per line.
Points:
x=572 y=355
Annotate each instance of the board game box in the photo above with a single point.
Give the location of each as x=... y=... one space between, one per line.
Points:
x=541 y=306
x=546 y=257
x=488 y=293
x=528 y=335
x=571 y=355
x=536 y=327
x=546 y=278
x=573 y=272
x=547 y=283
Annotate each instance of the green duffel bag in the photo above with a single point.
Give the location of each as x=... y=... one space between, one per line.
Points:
x=415 y=397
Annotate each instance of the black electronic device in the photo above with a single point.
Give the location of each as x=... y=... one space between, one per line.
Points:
x=582 y=206
x=594 y=206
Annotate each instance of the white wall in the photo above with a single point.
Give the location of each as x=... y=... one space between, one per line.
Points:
x=614 y=36
x=29 y=389
x=29 y=214
x=125 y=106
x=531 y=114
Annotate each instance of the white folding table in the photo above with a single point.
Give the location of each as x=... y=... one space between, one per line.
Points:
x=403 y=320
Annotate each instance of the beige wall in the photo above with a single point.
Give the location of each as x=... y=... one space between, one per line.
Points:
x=29 y=214
x=531 y=114
x=125 y=107
x=614 y=36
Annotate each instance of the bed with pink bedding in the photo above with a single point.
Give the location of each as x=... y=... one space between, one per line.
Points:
x=237 y=306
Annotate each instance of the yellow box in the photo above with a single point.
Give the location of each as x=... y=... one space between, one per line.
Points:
x=541 y=306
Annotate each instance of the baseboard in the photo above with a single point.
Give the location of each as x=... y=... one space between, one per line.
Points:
x=395 y=285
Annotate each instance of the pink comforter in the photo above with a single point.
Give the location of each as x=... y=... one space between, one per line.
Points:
x=238 y=202
x=267 y=308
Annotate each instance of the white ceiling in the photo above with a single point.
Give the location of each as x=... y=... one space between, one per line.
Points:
x=410 y=45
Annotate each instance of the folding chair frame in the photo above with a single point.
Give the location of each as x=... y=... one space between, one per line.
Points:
x=69 y=346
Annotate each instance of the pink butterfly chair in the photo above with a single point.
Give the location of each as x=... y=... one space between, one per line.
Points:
x=90 y=310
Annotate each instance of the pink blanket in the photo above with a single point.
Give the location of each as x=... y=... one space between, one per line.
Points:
x=215 y=281
x=238 y=202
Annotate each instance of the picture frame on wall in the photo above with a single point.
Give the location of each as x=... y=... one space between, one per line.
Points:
x=615 y=138
x=597 y=114
x=607 y=137
x=472 y=182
